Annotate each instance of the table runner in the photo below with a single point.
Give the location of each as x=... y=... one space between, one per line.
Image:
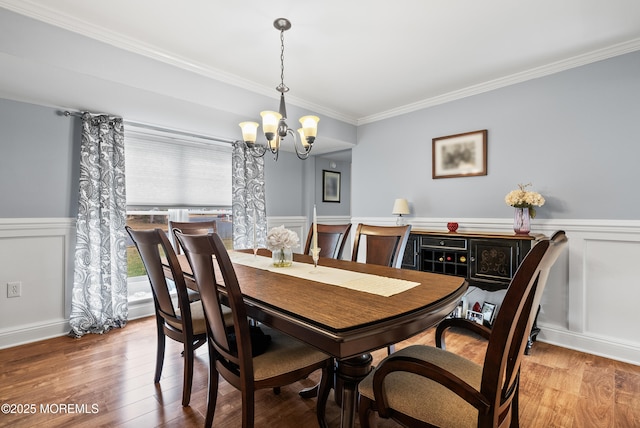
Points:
x=367 y=283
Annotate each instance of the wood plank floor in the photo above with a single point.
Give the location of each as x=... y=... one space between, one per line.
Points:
x=107 y=380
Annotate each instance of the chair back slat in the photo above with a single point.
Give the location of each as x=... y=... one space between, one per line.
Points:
x=385 y=245
x=191 y=228
x=331 y=239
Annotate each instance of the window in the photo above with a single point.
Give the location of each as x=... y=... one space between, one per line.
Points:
x=173 y=176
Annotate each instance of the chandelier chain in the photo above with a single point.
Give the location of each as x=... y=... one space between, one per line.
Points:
x=282 y=87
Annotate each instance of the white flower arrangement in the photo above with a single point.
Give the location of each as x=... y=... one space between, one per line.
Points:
x=522 y=198
x=279 y=238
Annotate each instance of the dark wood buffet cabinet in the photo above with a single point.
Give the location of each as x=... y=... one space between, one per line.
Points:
x=487 y=260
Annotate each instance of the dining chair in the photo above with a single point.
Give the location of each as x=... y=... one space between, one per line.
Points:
x=184 y=323
x=483 y=332
x=385 y=245
x=191 y=228
x=331 y=239
x=285 y=361
x=427 y=386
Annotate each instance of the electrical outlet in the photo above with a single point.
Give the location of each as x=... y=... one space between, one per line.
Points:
x=14 y=289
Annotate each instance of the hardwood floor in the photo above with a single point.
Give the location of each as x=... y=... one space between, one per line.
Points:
x=107 y=380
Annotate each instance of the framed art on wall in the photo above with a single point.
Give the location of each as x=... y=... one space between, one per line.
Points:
x=330 y=186
x=460 y=155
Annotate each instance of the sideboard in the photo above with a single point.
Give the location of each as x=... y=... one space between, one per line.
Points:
x=487 y=260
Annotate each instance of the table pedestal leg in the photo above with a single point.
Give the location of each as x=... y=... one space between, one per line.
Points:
x=349 y=373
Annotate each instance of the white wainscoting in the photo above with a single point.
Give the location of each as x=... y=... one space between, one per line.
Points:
x=590 y=302
x=593 y=292
x=35 y=253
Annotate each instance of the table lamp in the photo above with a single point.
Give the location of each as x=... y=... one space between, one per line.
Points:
x=400 y=208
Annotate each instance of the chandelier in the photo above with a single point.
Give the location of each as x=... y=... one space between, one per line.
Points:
x=274 y=124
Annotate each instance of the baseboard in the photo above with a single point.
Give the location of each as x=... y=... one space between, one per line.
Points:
x=141 y=309
x=34 y=333
x=600 y=346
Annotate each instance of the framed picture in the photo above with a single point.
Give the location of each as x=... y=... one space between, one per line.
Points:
x=460 y=155
x=330 y=186
x=488 y=312
x=476 y=317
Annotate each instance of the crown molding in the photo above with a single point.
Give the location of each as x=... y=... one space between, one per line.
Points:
x=55 y=18
x=534 y=73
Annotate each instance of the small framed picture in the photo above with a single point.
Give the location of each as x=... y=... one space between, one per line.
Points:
x=475 y=316
x=457 y=312
x=330 y=186
x=460 y=155
x=488 y=312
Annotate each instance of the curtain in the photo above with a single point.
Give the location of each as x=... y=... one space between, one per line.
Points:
x=248 y=199
x=99 y=297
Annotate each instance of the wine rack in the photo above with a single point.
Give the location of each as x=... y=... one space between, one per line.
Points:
x=448 y=256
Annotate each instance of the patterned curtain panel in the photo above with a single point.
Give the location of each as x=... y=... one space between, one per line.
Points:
x=249 y=209
x=99 y=299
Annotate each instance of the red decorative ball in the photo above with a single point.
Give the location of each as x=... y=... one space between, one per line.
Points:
x=452 y=227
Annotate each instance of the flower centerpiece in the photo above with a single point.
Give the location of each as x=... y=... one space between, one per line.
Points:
x=524 y=202
x=281 y=241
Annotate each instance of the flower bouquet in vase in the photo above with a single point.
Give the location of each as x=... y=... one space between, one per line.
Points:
x=524 y=201
x=281 y=241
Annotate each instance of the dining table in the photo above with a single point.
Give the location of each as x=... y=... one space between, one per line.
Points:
x=346 y=309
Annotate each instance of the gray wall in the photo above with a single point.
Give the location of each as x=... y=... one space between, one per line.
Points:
x=572 y=134
x=285 y=184
x=294 y=186
x=343 y=208
x=39 y=156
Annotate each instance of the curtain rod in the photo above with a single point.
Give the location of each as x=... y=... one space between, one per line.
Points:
x=68 y=113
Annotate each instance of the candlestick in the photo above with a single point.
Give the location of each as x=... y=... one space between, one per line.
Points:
x=315 y=251
x=315 y=230
x=255 y=243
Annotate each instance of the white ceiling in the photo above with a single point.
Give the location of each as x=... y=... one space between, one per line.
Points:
x=358 y=60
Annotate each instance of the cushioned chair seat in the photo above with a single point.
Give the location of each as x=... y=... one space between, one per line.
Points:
x=284 y=355
x=197 y=318
x=424 y=399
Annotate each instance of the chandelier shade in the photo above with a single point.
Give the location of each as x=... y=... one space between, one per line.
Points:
x=274 y=124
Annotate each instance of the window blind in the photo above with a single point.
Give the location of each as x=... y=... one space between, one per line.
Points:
x=168 y=170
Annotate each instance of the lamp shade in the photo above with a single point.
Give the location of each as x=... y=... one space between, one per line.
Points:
x=270 y=121
x=309 y=126
x=249 y=131
x=400 y=207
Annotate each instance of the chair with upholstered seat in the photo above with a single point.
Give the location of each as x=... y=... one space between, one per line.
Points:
x=231 y=351
x=385 y=245
x=428 y=386
x=184 y=323
x=331 y=239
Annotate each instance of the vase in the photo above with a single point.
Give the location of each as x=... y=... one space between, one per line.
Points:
x=282 y=257
x=521 y=221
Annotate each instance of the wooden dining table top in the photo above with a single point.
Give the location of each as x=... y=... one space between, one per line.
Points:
x=341 y=321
